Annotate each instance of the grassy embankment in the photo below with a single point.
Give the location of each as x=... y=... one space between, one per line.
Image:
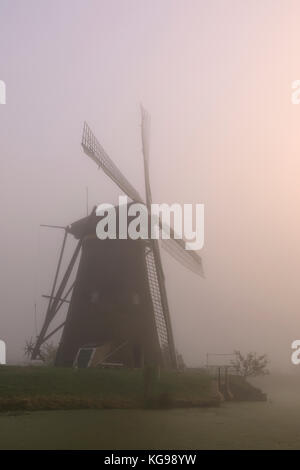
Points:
x=37 y=388
x=46 y=388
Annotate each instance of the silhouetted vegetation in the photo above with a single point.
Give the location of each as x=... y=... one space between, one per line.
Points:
x=250 y=365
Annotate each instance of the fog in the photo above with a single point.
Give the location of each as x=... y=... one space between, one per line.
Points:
x=216 y=78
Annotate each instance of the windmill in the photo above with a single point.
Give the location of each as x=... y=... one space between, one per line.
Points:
x=118 y=299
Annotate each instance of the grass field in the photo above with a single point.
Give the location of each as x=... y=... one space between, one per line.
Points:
x=54 y=388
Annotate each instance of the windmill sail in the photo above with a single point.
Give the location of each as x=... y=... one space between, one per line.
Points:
x=159 y=314
x=154 y=264
x=94 y=150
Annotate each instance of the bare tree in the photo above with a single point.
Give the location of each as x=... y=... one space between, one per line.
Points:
x=250 y=365
x=47 y=352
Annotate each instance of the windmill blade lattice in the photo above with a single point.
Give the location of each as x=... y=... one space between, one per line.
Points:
x=96 y=152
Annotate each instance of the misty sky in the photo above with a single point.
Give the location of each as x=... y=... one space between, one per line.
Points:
x=216 y=78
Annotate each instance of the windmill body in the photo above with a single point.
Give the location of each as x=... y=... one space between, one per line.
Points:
x=118 y=301
x=114 y=304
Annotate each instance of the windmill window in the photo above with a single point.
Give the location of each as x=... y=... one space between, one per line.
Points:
x=94 y=297
x=136 y=299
